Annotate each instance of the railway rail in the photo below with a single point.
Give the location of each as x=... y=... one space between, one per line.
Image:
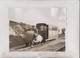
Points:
x=50 y=45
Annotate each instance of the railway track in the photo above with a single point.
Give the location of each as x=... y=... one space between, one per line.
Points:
x=23 y=46
x=52 y=45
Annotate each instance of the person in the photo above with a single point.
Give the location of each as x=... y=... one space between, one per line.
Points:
x=43 y=32
x=38 y=39
x=34 y=29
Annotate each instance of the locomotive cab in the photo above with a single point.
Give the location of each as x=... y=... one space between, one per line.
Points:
x=42 y=30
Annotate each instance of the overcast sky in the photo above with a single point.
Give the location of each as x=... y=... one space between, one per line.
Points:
x=51 y=16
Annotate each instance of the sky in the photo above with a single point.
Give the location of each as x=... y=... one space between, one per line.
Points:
x=32 y=16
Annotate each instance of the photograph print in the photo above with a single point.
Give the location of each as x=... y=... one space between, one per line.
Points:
x=37 y=29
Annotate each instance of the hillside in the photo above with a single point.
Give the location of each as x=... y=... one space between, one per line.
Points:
x=17 y=32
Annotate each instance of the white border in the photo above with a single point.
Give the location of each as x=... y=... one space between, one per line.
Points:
x=72 y=33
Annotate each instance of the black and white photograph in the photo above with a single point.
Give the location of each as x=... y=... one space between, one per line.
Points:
x=37 y=29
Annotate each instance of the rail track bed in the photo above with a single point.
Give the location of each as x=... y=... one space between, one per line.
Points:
x=50 y=45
